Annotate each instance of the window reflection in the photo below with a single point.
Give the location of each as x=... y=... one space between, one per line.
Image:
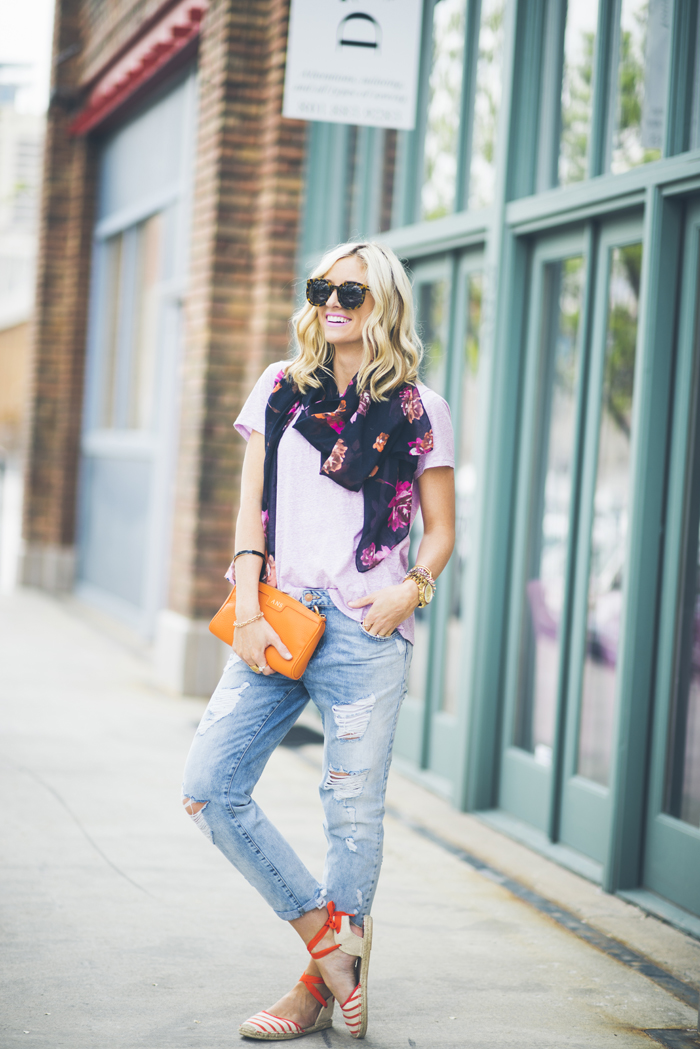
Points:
x=113 y=266
x=442 y=126
x=642 y=77
x=610 y=520
x=132 y=267
x=550 y=495
x=577 y=89
x=143 y=363
x=487 y=101
x=465 y=485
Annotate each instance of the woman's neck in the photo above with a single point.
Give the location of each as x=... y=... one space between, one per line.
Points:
x=346 y=364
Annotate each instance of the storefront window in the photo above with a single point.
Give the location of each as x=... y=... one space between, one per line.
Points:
x=444 y=103
x=642 y=80
x=465 y=485
x=131 y=265
x=611 y=518
x=550 y=502
x=487 y=102
x=577 y=90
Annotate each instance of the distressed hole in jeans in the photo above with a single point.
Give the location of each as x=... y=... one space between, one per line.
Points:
x=221 y=704
x=345 y=784
x=195 y=809
x=350 y=842
x=352 y=719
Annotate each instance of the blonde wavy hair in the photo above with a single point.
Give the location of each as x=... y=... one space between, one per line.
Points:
x=392 y=348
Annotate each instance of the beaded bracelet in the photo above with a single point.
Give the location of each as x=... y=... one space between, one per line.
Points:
x=247 y=622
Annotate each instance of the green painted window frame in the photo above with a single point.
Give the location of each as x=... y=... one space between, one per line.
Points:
x=504 y=232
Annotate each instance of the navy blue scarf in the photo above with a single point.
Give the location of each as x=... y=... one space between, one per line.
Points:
x=365 y=445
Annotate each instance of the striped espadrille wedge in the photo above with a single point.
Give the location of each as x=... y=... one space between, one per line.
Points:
x=270 y=1028
x=355 y=1009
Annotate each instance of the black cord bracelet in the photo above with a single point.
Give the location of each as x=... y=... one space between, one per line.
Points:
x=256 y=552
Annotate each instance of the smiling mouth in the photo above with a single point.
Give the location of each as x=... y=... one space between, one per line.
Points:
x=336 y=318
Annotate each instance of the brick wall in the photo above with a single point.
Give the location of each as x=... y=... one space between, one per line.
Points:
x=106 y=25
x=247 y=197
x=245 y=222
x=57 y=357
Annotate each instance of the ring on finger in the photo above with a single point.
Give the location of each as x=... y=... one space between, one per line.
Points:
x=256 y=668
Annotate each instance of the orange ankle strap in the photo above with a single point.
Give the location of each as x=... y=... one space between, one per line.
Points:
x=308 y=980
x=332 y=922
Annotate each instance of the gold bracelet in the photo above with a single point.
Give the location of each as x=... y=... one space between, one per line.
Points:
x=247 y=622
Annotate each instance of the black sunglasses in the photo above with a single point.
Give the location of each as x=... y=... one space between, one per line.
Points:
x=351 y=294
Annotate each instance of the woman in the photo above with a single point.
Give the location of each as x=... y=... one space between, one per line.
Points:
x=334 y=528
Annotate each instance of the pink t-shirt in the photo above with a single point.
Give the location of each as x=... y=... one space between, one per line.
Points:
x=319 y=523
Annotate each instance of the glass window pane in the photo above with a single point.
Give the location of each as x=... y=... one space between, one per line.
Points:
x=444 y=97
x=487 y=101
x=694 y=135
x=682 y=793
x=431 y=307
x=143 y=352
x=549 y=512
x=110 y=310
x=577 y=89
x=610 y=520
x=683 y=772
x=642 y=76
x=465 y=483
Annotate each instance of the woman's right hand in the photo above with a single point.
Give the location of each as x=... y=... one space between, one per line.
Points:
x=250 y=642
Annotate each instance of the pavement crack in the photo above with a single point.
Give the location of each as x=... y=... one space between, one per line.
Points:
x=79 y=825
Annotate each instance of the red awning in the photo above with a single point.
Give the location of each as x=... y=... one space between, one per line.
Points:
x=144 y=56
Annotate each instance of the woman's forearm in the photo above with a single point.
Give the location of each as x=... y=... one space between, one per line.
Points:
x=249 y=536
x=249 y=529
x=435 y=549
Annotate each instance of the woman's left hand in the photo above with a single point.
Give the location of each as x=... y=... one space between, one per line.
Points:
x=390 y=607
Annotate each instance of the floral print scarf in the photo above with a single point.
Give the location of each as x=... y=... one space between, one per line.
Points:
x=365 y=445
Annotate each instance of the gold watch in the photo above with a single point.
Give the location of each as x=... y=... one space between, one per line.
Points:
x=423 y=579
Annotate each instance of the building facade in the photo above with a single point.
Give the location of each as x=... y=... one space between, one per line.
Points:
x=548 y=206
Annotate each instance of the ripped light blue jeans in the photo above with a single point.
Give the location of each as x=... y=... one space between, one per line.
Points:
x=357 y=682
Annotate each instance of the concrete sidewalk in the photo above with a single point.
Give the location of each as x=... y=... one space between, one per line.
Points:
x=123 y=927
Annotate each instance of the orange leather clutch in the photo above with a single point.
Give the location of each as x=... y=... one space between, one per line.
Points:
x=299 y=627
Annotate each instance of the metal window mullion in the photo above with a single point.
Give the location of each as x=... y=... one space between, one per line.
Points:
x=581 y=557
x=590 y=254
x=604 y=86
x=547 y=172
x=316 y=190
x=409 y=175
x=681 y=78
x=467 y=101
x=435 y=677
x=364 y=219
x=527 y=77
x=654 y=368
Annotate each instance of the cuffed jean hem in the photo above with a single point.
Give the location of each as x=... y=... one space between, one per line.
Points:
x=316 y=904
